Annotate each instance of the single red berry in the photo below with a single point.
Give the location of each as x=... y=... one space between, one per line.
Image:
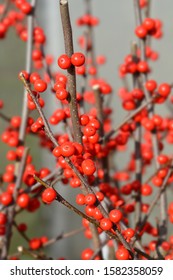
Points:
x=36 y=55
x=64 y=62
x=78 y=59
x=35 y=244
x=164 y=90
x=6 y=198
x=87 y=254
x=57 y=151
x=129 y=105
x=141 y=31
x=162 y=159
x=33 y=77
x=122 y=254
x=61 y=94
x=59 y=85
x=22 y=227
x=23 y=200
x=40 y=85
x=89 y=130
x=26 y=8
x=67 y=149
x=90 y=199
x=80 y=199
x=143 y=67
x=49 y=195
x=146 y=190
x=129 y=232
x=15 y=121
x=97 y=214
x=88 y=167
x=106 y=224
x=137 y=93
x=149 y=24
x=115 y=215
x=84 y=119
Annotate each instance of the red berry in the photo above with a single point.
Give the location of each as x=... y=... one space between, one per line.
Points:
x=89 y=130
x=23 y=200
x=35 y=244
x=129 y=105
x=49 y=195
x=22 y=227
x=88 y=167
x=162 y=159
x=40 y=85
x=143 y=67
x=122 y=254
x=164 y=90
x=61 y=94
x=146 y=190
x=64 y=61
x=84 y=119
x=141 y=31
x=67 y=149
x=149 y=24
x=36 y=55
x=6 y=198
x=106 y=224
x=26 y=7
x=57 y=151
x=87 y=254
x=33 y=77
x=80 y=199
x=78 y=59
x=115 y=215
x=90 y=199
x=129 y=232
x=137 y=93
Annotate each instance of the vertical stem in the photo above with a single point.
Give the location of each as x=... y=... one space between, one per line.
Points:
x=30 y=26
x=137 y=138
x=163 y=199
x=100 y=117
x=71 y=75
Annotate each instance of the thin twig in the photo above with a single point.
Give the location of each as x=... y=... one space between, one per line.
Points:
x=30 y=26
x=62 y=236
x=71 y=74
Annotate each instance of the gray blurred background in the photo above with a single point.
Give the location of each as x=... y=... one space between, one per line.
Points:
x=113 y=38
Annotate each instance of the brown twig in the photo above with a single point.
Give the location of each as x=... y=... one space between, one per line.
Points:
x=137 y=143
x=163 y=202
x=30 y=26
x=62 y=236
x=4 y=117
x=71 y=75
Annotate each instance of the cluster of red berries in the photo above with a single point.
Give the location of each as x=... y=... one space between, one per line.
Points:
x=88 y=20
x=77 y=59
x=150 y=27
x=24 y=6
